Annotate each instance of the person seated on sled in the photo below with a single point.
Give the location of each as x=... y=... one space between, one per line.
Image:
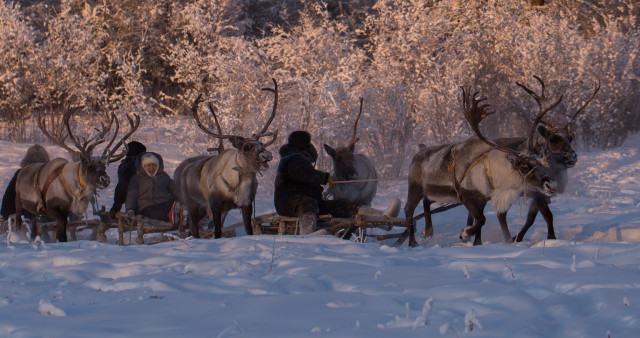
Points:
x=298 y=185
x=126 y=170
x=153 y=194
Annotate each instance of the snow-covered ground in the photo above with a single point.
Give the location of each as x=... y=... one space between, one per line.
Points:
x=585 y=284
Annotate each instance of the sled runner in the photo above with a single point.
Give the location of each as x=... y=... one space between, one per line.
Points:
x=360 y=225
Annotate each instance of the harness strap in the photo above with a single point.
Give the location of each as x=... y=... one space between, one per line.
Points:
x=66 y=186
x=47 y=183
x=452 y=172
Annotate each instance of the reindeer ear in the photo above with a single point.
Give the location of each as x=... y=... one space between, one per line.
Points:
x=237 y=141
x=329 y=150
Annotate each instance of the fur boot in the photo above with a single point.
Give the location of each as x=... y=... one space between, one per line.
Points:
x=307 y=223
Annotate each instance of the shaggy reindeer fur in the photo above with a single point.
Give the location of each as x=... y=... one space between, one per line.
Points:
x=348 y=166
x=35 y=154
x=213 y=185
x=430 y=180
x=56 y=202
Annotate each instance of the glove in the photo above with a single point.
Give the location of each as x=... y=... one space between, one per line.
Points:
x=331 y=180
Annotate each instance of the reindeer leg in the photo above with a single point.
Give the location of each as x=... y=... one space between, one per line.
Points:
x=217 y=221
x=470 y=219
x=531 y=217
x=502 y=218
x=61 y=224
x=548 y=217
x=413 y=198
x=428 y=224
x=246 y=218
x=194 y=218
x=475 y=208
x=477 y=240
x=18 y=215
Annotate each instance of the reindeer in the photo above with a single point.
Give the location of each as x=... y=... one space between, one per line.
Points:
x=348 y=166
x=473 y=172
x=555 y=147
x=59 y=188
x=213 y=185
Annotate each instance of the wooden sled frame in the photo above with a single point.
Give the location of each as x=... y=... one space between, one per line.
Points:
x=273 y=224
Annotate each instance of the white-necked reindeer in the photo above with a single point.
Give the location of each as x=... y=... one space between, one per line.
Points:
x=473 y=172
x=60 y=188
x=213 y=185
x=349 y=166
x=554 y=145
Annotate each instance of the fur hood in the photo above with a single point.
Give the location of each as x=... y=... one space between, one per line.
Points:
x=35 y=154
x=141 y=170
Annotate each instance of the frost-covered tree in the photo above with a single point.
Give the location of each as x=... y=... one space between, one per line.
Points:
x=18 y=46
x=490 y=44
x=67 y=72
x=320 y=65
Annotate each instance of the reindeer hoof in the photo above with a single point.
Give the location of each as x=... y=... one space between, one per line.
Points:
x=426 y=233
x=465 y=236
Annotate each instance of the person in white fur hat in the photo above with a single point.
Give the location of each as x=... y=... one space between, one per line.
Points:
x=152 y=193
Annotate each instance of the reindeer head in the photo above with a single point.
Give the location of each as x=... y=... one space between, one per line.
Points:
x=92 y=168
x=253 y=155
x=343 y=157
x=556 y=142
x=95 y=171
x=535 y=171
x=343 y=161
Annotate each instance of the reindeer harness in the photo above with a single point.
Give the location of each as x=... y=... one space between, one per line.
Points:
x=56 y=173
x=484 y=157
x=203 y=182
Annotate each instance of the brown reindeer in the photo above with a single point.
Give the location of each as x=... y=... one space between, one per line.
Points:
x=554 y=144
x=473 y=172
x=213 y=185
x=60 y=188
x=348 y=166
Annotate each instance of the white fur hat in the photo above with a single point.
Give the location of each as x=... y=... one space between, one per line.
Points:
x=149 y=158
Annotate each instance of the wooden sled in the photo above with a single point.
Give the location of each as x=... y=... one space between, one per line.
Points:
x=144 y=226
x=44 y=228
x=273 y=224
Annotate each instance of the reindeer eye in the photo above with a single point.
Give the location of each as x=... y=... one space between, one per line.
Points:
x=248 y=147
x=555 y=139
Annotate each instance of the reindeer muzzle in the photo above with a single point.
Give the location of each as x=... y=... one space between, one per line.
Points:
x=570 y=159
x=104 y=181
x=263 y=160
x=549 y=188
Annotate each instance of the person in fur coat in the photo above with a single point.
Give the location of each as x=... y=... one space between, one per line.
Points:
x=126 y=170
x=298 y=185
x=152 y=193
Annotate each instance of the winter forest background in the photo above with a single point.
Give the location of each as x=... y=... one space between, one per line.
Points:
x=406 y=58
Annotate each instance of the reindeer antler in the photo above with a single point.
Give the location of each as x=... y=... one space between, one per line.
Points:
x=194 y=112
x=108 y=153
x=474 y=113
x=545 y=104
x=217 y=124
x=58 y=137
x=573 y=118
x=263 y=132
x=355 y=139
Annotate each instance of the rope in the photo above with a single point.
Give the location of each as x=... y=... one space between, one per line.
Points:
x=372 y=180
